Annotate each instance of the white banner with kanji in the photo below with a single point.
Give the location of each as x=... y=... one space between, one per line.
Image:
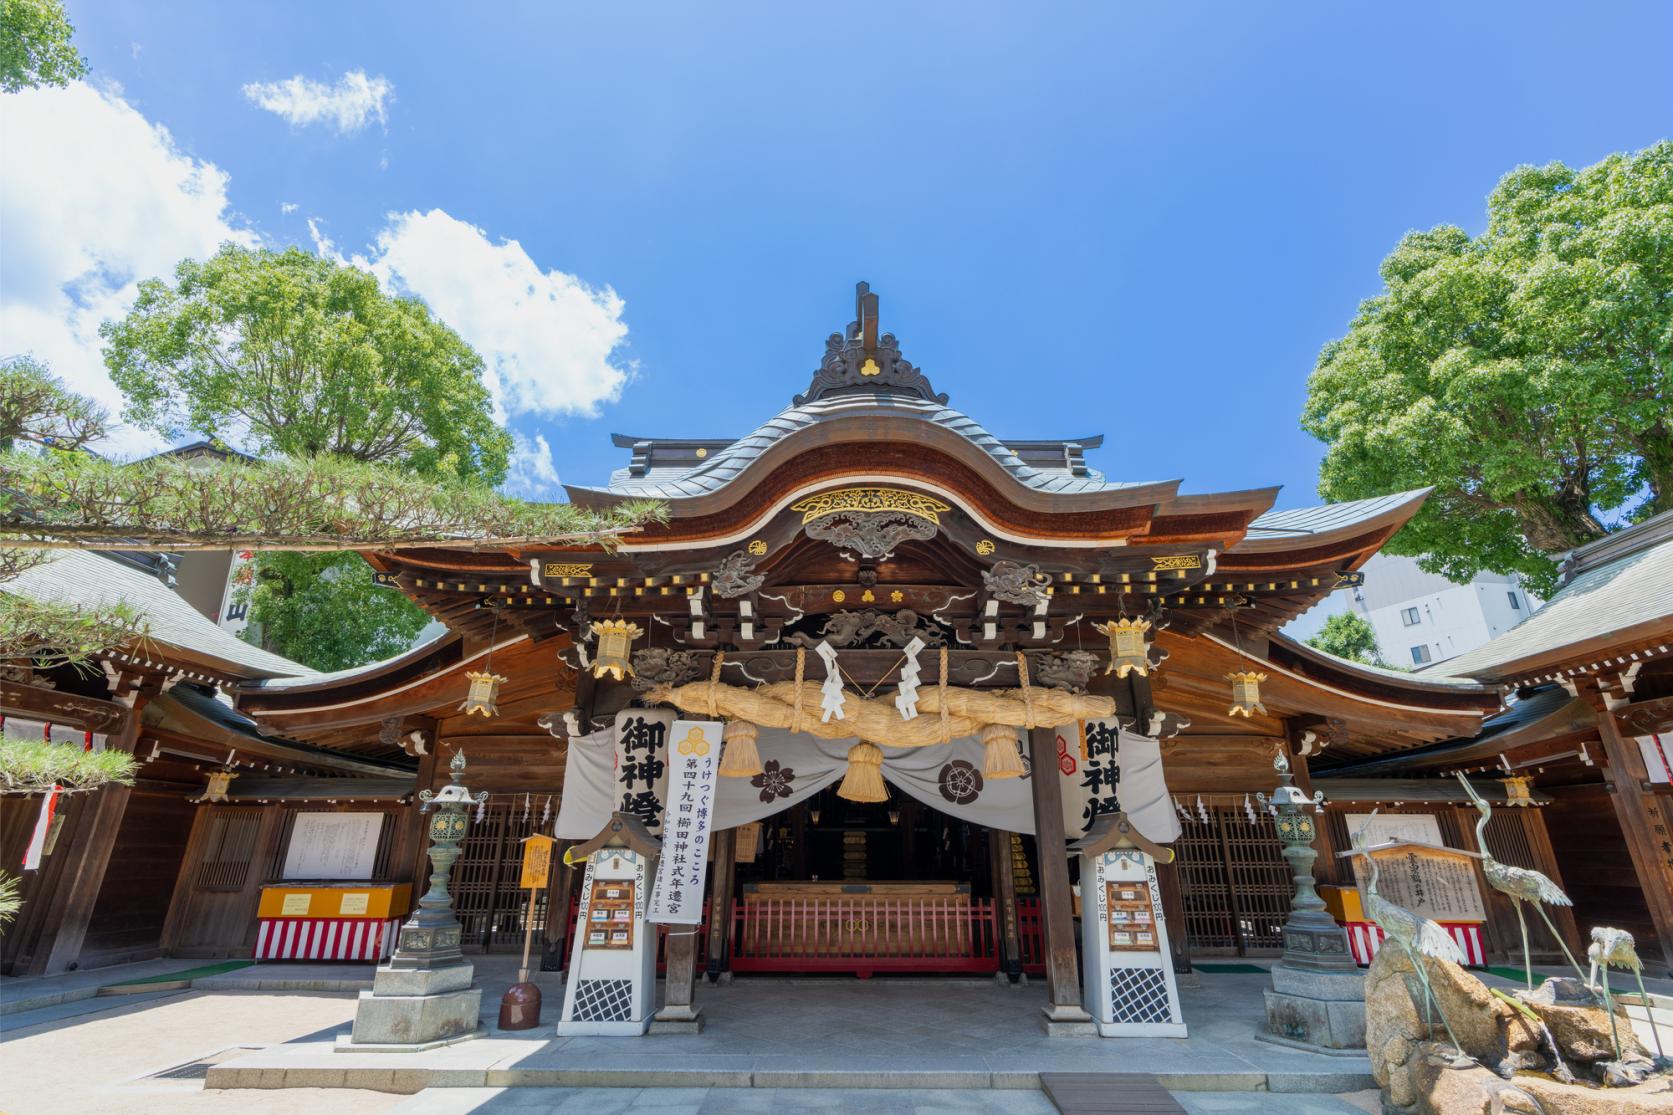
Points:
x=687 y=819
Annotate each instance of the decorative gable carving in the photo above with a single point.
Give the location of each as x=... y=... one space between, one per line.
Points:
x=862 y=360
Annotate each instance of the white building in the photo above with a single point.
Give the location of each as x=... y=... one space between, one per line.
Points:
x=1422 y=618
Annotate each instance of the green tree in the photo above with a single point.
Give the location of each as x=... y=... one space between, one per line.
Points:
x=35 y=47
x=37 y=408
x=310 y=358
x=324 y=610
x=313 y=359
x=1349 y=636
x=1522 y=373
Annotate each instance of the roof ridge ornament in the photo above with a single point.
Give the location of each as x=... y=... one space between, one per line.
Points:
x=862 y=360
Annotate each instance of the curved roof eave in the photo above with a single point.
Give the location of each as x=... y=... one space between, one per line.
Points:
x=1276 y=531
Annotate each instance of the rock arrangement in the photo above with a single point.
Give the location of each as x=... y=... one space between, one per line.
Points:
x=1507 y=1063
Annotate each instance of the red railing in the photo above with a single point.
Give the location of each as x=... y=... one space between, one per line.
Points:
x=863 y=937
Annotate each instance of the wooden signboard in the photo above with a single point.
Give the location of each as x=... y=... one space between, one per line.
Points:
x=1132 y=928
x=1431 y=882
x=610 y=920
x=537 y=862
x=333 y=846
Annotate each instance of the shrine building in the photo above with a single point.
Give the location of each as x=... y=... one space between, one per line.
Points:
x=935 y=657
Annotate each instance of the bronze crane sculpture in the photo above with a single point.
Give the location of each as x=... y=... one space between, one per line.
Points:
x=1519 y=884
x=1416 y=935
x=1613 y=948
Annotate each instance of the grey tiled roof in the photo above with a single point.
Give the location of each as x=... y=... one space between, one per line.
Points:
x=719 y=469
x=1633 y=589
x=80 y=577
x=1299 y=522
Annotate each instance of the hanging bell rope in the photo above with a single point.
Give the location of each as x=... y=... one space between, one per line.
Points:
x=864 y=780
x=739 y=758
x=967 y=711
x=1000 y=757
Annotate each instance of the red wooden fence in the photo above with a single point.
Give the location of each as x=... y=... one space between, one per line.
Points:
x=833 y=935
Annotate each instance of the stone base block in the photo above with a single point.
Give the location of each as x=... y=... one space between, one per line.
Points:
x=677 y=1020
x=389 y=980
x=1325 y=1023
x=415 y=1019
x=1348 y=986
x=1068 y=1022
x=346 y=1044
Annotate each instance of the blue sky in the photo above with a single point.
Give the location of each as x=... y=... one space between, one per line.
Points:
x=1136 y=220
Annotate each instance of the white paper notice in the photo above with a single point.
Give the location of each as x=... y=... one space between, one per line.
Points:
x=333 y=846
x=682 y=870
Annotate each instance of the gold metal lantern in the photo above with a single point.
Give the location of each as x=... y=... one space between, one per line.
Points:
x=1246 y=693
x=615 y=647
x=220 y=782
x=1128 y=652
x=484 y=693
x=1518 y=789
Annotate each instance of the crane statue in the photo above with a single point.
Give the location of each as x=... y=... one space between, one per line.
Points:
x=1613 y=948
x=1417 y=936
x=1519 y=884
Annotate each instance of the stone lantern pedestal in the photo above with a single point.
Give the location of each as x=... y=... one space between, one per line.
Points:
x=426 y=996
x=1317 y=998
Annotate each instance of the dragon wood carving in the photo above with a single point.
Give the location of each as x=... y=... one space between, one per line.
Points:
x=850 y=629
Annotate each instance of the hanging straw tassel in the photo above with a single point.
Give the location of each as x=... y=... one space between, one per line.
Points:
x=740 y=759
x=864 y=780
x=1000 y=758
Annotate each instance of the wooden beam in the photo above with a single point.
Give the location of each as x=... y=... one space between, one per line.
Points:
x=1063 y=1001
x=1005 y=890
x=554 y=938
x=1647 y=824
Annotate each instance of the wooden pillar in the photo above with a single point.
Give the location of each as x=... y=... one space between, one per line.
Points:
x=720 y=904
x=798 y=833
x=1005 y=903
x=1063 y=1002
x=1173 y=908
x=1545 y=859
x=680 y=1013
x=554 y=936
x=98 y=818
x=1647 y=824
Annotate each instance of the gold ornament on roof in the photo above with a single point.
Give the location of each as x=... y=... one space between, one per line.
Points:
x=870 y=499
x=1246 y=693
x=484 y=693
x=758 y=547
x=1176 y=561
x=985 y=547
x=1128 y=652
x=615 y=647
x=220 y=781
x=567 y=569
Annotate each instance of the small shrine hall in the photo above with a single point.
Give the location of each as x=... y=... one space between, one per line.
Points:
x=940 y=655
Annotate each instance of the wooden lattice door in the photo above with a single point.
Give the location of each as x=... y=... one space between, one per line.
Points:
x=1234 y=883
x=490 y=904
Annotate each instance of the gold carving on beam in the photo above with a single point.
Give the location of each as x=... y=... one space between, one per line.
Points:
x=870 y=499
x=839 y=596
x=566 y=569
x=758 y=547
x=985 y=547
x=1176 y=561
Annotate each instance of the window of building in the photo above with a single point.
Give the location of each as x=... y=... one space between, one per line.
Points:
x=1409 y=617
x=1420 y=654
x=1515 y=604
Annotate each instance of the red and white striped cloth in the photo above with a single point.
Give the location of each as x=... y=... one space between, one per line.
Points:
x=326 y=938
x=1364 y=938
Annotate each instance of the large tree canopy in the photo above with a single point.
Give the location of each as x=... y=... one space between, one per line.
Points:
x=1522 y=373
x=1348 y=635
x=35 y=47
x=309 y=358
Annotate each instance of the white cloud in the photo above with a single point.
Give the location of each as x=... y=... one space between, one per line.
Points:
x=355 y=101
x=549 y=340
x=94 y=198
x=288 y=207
x=533 y=474
x=322 y=243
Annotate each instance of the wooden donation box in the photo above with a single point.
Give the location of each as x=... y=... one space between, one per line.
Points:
x=325 y=907
x=1129 y=986
x=823 y=925
x=611 y=988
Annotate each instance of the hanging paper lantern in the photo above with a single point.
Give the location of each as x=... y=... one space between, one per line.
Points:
x=1128 y=652
x=739 y=757
x=864 y=780
x=1246 y=693
x=1517 y=790
x=220 y=781
x=484 y=693
x=615 y=647
x=1000 y=758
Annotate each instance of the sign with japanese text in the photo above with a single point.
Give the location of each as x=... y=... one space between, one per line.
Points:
x=1427 y=882
x=682 y=870
x=641 y=768
x=537 y=861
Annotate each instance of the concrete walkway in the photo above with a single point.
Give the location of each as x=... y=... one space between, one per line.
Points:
x=824 y=1033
